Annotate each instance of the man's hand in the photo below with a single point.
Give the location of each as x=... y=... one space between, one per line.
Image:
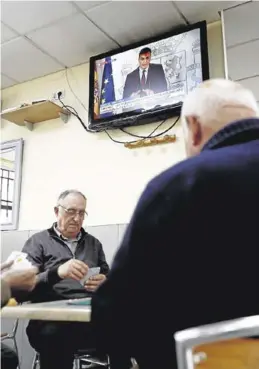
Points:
x=6 y=265
x=135 y=94
x=21 y=279
x=94 y=282
x=149 y=92
x=75 y=269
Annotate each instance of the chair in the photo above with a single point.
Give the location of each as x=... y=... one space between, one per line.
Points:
x=187 y=339
x=36 y=361
x=12 y=336
x=86 y=357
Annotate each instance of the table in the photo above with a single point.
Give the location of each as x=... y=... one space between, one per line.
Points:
x=55 y=310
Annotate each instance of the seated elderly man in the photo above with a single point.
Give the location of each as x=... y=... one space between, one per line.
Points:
x=63 y=255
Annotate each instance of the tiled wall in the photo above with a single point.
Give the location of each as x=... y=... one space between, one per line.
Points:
x=109 y=235
x=242 y=44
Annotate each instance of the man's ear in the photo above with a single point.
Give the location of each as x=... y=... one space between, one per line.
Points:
x=195 y=130
x=56 y=210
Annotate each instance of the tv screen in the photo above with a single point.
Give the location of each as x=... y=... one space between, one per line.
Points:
x=147 y=81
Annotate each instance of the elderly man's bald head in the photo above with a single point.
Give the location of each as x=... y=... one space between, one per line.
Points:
x=210 y=107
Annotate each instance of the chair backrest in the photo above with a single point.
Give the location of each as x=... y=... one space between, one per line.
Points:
x=187 y=339
x=11 y=334
x=15 y=326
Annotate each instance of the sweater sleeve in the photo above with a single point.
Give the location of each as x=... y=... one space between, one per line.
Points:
x=45 y=279
x=34 y=249
x=102 y=263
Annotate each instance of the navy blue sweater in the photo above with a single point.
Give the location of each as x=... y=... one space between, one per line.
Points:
x=190 y=253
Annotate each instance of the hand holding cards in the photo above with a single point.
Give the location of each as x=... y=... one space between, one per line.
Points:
x=18 y=272
x=91 y=273
x=19 y=261
x=93 y=280
x=74 y=269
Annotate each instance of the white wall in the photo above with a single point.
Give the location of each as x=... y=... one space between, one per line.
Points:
x=242 y=44
x=58 y=156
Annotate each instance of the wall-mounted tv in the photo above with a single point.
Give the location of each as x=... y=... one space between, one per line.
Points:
x=147 y=81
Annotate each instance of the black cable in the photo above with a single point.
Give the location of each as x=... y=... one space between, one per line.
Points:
x=68 y=107
x=159 y=134
x=154 y=130
x=150 y=135
x=120 y=142
x=75 y=113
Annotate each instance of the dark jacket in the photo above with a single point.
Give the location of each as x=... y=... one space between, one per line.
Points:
x=47 y=251
x=190 y=254
x=5 y=293
x=155 y=81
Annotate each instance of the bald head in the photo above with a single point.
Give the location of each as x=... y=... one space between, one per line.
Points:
x=210 y=107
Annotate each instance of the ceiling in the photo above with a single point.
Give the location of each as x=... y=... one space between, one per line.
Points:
x=43 y=37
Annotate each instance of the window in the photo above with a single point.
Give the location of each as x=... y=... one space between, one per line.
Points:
x=10 y=176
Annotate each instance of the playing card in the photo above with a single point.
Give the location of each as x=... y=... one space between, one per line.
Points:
x=16 y=255
x=20 y=261
x=91 y=272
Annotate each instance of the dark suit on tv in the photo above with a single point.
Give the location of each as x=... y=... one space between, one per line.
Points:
x=190 y=254
x=156 y=81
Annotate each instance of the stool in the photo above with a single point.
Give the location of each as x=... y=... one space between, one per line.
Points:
x=87 y=357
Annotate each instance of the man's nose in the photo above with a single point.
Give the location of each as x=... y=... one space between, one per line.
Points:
x=76 y=217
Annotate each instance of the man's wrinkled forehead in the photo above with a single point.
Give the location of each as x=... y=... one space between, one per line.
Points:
x=74 y=200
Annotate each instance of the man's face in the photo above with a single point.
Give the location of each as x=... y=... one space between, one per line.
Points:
x=70 y=215
x=144 y=60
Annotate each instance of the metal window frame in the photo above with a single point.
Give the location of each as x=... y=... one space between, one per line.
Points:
x=17 y=145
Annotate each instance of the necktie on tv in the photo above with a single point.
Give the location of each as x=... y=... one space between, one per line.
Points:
x=143 y=79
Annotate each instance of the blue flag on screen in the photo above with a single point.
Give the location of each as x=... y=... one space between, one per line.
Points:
x=107 y=93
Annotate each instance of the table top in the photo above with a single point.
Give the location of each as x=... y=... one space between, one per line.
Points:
x=55 y=310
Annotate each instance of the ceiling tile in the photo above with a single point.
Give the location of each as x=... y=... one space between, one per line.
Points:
x=196 y=11
x=72 y=40
x=7 y=82
x=86 y=5
x=131 y=21
x=253 y=85
x=243 y=60
x=22 y=61
x=6 y=33
x=25 y=16
x=246 y=30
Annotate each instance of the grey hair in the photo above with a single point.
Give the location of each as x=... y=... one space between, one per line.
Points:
x=206 y=101
x=64 y=194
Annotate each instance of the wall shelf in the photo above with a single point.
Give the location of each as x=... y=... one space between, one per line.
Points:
x=38 y=112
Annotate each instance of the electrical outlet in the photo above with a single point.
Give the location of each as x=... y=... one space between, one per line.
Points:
x=57 y=93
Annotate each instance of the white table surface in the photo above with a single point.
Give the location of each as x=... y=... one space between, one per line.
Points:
x=55 y=310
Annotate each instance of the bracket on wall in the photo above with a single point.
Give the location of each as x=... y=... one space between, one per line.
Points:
x=29 y=125
x=64 y=116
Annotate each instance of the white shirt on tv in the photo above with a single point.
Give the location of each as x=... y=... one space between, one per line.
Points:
x=141 y=72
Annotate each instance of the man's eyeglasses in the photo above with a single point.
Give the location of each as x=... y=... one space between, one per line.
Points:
x=74 y=212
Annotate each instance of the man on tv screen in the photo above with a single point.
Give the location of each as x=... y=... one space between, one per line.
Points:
x=147 y=79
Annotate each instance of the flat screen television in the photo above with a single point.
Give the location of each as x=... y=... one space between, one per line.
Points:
x=147 y=81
